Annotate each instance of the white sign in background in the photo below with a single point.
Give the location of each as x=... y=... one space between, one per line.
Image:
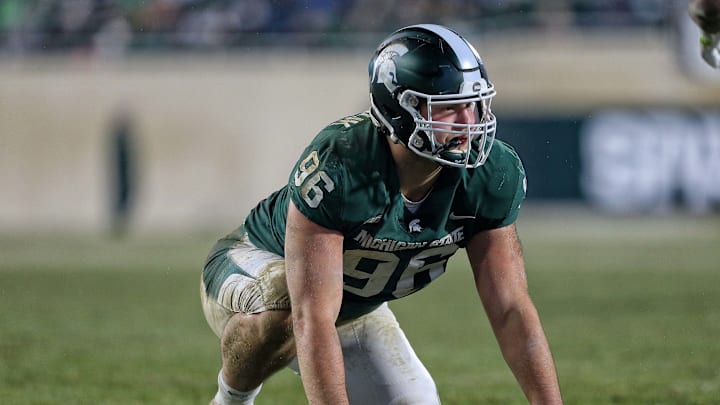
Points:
x=652 y=161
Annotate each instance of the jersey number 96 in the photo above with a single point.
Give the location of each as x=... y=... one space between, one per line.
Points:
x=309 y=179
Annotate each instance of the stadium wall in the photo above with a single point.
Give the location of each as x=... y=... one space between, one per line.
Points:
x=214 y=133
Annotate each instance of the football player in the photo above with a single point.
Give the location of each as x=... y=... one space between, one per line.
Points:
x=706 y=14
x=372 y=211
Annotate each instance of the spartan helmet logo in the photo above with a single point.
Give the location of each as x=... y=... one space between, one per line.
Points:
x=384 y=69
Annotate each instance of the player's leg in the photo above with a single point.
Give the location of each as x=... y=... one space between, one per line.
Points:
x=245 y=302
x=262 y=340
x=253 y=347
x=380 y=365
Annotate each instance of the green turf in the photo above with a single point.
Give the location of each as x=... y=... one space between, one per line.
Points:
x=631 y=307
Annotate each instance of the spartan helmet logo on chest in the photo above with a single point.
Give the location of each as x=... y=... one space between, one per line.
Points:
x=414 y=226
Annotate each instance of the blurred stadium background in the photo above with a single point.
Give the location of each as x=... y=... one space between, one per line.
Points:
x=133 y=133
x=179 y=113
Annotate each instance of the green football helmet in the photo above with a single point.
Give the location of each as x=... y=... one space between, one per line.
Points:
x=433 y=66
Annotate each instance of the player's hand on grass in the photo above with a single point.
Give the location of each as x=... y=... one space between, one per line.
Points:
x=706 y=14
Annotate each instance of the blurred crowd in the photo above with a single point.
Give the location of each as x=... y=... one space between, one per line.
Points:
x=114 y=26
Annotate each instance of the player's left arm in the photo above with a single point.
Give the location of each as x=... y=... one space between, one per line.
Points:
x=498 y=266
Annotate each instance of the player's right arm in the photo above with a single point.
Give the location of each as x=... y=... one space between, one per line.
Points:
x=313 y=257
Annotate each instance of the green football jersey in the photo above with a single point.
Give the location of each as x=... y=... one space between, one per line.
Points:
x=346 y=180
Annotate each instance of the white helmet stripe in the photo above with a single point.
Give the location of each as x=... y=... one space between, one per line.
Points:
x=465 y=51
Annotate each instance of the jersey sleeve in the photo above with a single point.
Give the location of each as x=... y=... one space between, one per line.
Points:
x=509 y=187
x=315 y=185
x=501 y=190
x=519 y=196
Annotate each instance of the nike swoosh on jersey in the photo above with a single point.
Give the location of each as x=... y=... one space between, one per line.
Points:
x=456 y=217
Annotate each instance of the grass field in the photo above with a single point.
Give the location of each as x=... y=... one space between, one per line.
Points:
x=631 y=307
